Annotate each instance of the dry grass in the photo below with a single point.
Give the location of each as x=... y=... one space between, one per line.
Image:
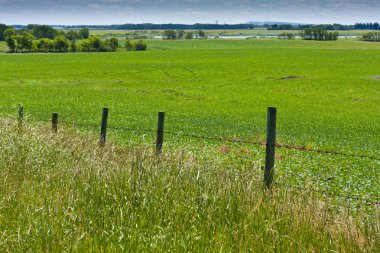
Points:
x=65 y=193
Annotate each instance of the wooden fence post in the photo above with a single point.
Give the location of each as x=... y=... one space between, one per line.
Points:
x=160 y=131
x=103 y=129
x=270 y=146
x=54 y=122
x=20 y=114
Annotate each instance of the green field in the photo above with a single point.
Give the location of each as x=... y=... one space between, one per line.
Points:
x=64 y=193
x=327 y=95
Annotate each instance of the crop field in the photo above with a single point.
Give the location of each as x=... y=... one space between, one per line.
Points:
x=205 y=192
x=327 y=95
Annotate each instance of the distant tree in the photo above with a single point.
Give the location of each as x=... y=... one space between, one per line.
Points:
x=85 y=46
x=73 y=35
x=140 y=46
x=3 y=27
x=189 y=36
x=42 y=31
x=318 y=34
x=372 y=36
x=61 y=44
x=44 y=45
x=181 y=34
x=169 y=35
x=84 y=33
x=112 y=44
x=25 y=41
x=288 y=36
x=73 y=46
x=10 y=39
x=129 y=46
x=202 y=34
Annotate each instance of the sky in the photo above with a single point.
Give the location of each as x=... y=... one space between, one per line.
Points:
x=97 y=12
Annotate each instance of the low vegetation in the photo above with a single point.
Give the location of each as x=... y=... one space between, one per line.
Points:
x=181 y=34
x=372 y=36
x=318 y=34
x=65 y=193
x=287 y=36
x=135 y=45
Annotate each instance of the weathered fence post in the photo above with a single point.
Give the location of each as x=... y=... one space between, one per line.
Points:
x=20 y=114
x=103 y=129
x=54 y=122
x=160 y=131
x=270 y=146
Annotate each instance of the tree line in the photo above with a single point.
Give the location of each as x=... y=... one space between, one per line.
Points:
x=181 y=34
x=318 y=34
x=45 y=39
x=367 y=26
x=25 y=42
x=372 y=36
x=48 y=32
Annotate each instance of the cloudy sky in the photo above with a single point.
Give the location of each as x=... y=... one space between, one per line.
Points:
x=71 y=12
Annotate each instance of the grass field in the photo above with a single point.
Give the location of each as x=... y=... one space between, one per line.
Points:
x=63 y=193
x=327 y=95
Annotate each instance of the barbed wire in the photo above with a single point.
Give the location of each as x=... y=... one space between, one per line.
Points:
x=356 y=197
x=215 y=138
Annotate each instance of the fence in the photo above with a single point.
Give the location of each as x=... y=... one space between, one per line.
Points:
x=270 y=145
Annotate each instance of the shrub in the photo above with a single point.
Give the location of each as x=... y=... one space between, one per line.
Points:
x=372 y=36
x=288 y=36
x=140 y=46
x=112 y=44
x=61 y=44
x=129 y=46
x=44 y=45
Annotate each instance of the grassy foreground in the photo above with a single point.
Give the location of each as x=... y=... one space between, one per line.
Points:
x=64 y=193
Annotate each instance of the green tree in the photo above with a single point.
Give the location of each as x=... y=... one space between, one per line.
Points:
x=84 y=33
x=42 y=31
x=202 y=34
x=169 y=35
x=45 y=45
x=10 y=39
x=3 y=27
x=85 y=46
x=112 y=44
x=140 y=46
x=189 y=36
x=73 y=46
x=181 y=34
x=61 y=44
x=25 y=41
x=129 y=46
x=73 y=35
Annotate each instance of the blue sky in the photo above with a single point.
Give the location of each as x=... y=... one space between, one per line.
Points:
x=71 y=12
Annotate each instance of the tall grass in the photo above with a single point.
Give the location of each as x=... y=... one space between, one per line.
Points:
x=65 y=193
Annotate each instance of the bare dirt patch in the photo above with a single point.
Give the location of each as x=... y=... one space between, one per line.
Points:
x=376 y=77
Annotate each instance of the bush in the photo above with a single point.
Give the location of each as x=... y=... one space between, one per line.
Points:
x=44 y=45
x=129 y=46
x=372 y=36
x=112 y=44
x=61 y=44
x=288 y=36
x=140 y=46
x=318 y=34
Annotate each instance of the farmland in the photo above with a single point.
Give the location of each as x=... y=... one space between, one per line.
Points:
x=327 y=95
